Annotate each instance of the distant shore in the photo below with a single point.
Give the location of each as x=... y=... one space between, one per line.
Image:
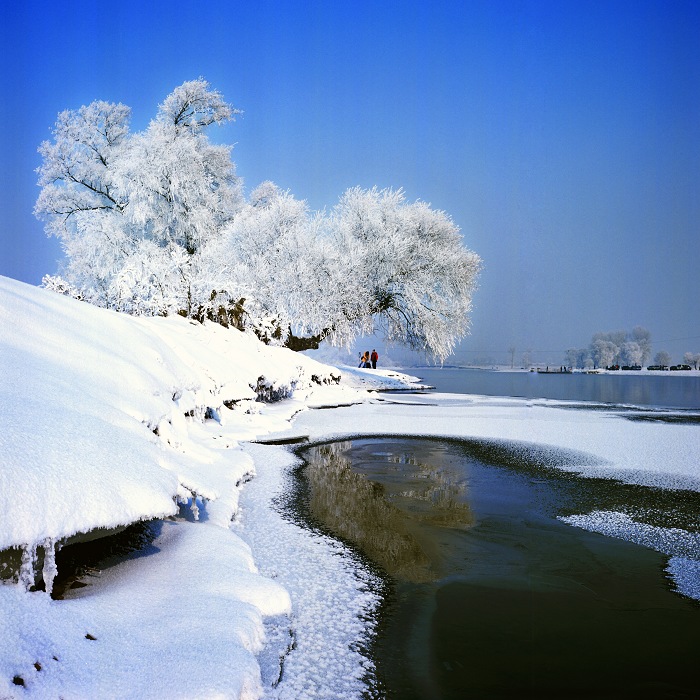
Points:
x=506 y=368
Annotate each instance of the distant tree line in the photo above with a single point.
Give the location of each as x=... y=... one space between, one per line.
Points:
x=623 y=348
x=156 y=223
x=631 y=348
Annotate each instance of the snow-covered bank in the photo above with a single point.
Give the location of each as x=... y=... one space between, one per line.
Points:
x=107 y=419
x=94 y=409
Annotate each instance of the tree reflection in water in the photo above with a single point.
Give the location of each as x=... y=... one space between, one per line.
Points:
x=384 y=519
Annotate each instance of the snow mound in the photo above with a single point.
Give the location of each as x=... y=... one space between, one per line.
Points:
x=141 y=631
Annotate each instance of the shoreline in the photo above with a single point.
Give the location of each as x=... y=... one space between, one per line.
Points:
x=533 y=370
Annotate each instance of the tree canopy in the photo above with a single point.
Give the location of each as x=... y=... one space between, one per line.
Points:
x=156 y=223
x=614 y=347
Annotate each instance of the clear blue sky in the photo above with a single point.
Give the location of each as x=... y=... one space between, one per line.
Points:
x=563 y=137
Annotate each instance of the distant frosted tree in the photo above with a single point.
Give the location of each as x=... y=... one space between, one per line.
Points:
x=627 y=347
x=632 y=353
x=612 y=341
x=662 y=358
x=604 y=352
x=692 y=359
x=574 y=357
x=642 y=337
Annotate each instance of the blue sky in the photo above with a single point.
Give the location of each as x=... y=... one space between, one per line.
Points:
x=562 y=137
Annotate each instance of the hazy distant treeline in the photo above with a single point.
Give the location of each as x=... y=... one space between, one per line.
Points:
x=623 y=348
x=613 y=348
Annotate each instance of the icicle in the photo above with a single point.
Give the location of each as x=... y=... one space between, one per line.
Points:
x=193 y=508
x=26 y=570
x=50 y=569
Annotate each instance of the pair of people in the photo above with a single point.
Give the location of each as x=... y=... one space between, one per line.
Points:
x=367 y=360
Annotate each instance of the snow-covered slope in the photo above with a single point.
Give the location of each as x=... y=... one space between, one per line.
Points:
x=94 y=404
x=109 y=419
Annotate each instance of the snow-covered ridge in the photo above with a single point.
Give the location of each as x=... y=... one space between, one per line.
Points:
x=94 y=409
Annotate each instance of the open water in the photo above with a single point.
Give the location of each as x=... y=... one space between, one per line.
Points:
x=663 y=390
x=490 y=595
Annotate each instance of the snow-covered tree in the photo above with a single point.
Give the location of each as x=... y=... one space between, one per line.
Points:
x=620 y=347
x=632 y=353
x=77 y=173
x=578 y=357
x=134 y=211
x=692 y=359
x=603 y=352
x=406 y=271
x=276 y=258
x=662 y=358
x=155 y=223
x=642 y=337
x=375 y=263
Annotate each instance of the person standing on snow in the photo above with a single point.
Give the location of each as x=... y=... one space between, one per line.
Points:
x=374 y=358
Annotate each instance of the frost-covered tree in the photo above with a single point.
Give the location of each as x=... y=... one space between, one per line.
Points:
x=77 y=174
x=603 y=352
x=406 y=272
x=155 y=223
x=578 y=357
x=275 y=257
x=662 y=358
x=620 y=347
x=631 y=353
x=375 y=263
x=642 y=337
x=692 y=359
x=135 y=211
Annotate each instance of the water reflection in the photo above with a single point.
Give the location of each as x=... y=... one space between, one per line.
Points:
x=384 y=518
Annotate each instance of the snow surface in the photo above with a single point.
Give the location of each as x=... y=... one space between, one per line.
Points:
x=109 y=419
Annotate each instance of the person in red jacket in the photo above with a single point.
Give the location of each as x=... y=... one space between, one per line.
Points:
x=374 y=357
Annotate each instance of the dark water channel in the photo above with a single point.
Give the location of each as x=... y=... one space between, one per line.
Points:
x=488 y=594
